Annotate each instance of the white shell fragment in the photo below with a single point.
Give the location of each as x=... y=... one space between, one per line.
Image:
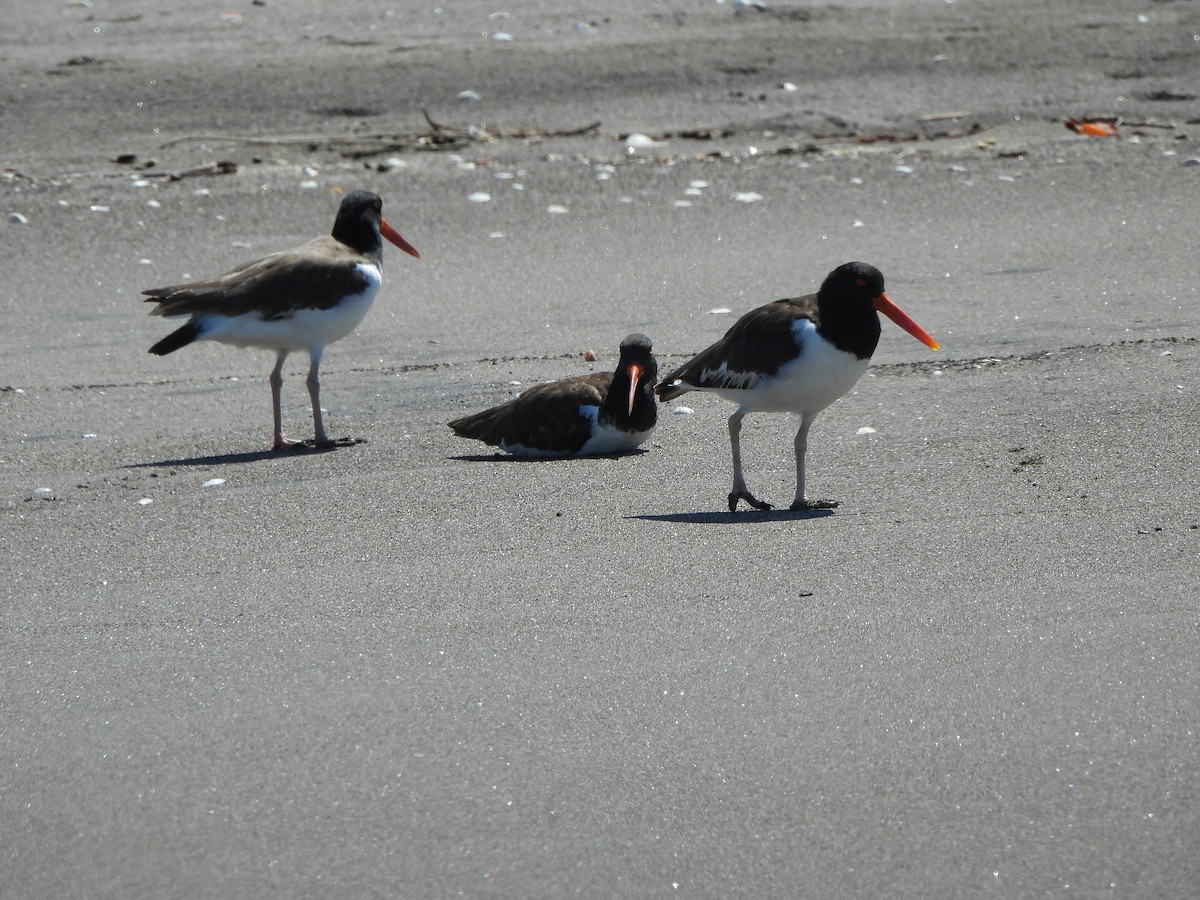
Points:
x=145 y=501
x=18 y=219
x=682 y=411
x=641 y=143
x=468 y=96
x=479 y=197
x=747 y=197
x=556 y=210
x=720 y=311
x=866 y=429
x=214 y=482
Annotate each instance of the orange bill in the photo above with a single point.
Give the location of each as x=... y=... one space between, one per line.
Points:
x=635 y=375
x=394 y=236
x=884 y=304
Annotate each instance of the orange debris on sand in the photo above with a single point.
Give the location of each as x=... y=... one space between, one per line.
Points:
x=1093 y=127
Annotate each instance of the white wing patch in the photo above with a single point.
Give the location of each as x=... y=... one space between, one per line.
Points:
x=724 y=377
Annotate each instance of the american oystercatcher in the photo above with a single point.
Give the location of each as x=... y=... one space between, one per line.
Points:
x=794 y=355
x=588 y=415
x=299 y=299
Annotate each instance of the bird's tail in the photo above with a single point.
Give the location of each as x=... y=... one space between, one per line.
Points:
x=671 y=388
x=180 y=337
x=476 y=426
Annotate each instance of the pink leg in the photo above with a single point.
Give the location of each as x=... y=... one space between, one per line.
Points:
x=281 y=441
x=739 y=490
x=801 y=501
x=314 y=394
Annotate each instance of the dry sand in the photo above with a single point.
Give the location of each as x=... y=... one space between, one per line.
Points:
x=404 y=669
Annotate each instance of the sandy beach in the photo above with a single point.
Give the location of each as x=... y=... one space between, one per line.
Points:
x=408 y=668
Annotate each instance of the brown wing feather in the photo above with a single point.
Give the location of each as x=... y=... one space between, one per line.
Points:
x=758 y=344
x=315 y=276
x=545 y=417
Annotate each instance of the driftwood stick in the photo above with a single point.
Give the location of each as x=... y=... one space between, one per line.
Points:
x=391 y=138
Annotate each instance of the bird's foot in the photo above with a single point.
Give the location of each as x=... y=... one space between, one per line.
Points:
x=804 y=504
x=735 y=496
x=286 y=445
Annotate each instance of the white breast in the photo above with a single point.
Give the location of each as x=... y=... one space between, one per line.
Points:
x=608 y=439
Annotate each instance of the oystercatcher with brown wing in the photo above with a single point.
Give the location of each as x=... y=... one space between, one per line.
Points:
x=589 y=415
x=794 y=355
x=301 y=299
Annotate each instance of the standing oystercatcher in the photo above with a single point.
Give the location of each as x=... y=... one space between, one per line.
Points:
x=588 y=415
x=299 y=299
x=796 y=355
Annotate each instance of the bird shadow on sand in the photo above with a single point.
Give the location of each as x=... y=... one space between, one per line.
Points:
x=742 y=517
x=308 y=448
x=509 y=458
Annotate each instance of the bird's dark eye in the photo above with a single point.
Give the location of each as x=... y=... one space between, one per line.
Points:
x=861 y=282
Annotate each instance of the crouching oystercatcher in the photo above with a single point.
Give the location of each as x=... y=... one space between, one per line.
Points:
x=588 y=415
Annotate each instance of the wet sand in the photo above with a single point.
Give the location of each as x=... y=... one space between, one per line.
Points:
x=407 y=668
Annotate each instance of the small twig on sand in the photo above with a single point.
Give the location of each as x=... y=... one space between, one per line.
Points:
x=432 y=124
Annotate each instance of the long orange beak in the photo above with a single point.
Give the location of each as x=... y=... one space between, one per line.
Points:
x=394 y=236
x=635 y=375
x=884 y=304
